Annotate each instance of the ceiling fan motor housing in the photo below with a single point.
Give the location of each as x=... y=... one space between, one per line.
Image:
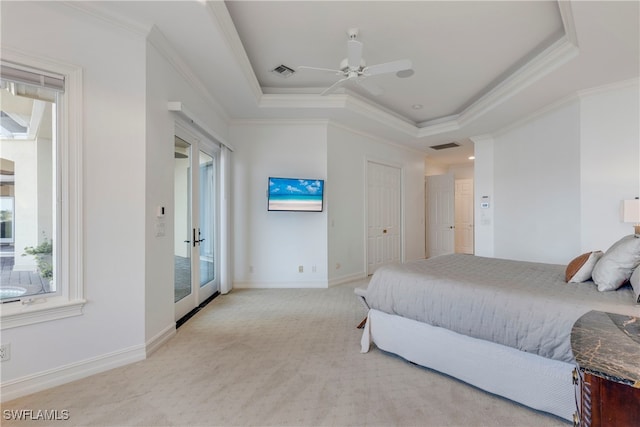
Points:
x=344 y=66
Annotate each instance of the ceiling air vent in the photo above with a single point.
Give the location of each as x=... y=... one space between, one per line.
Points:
x=445 y=146
x=283 y=71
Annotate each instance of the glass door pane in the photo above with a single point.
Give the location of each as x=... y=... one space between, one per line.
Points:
x=206 y=232
x=182 y=226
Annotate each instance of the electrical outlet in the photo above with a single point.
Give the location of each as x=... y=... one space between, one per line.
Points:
x=5 y=352
x=300 y=269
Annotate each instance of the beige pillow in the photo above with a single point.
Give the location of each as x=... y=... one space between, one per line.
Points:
x=617 y=264
x=635 y=284
x=580 y=268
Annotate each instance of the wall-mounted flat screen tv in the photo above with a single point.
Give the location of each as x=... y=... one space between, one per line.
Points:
x=295 y=194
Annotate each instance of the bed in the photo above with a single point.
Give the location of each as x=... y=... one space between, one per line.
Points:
x=501 y=325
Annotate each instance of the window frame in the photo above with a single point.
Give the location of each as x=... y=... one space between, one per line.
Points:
x=69 y=301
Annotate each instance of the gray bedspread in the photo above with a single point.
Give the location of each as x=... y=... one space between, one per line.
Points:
x=524 y=305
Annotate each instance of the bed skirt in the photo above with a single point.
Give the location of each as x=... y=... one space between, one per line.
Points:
x=534 y=381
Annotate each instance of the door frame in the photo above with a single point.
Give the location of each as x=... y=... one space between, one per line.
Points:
x=368 y=160
x=199 y=143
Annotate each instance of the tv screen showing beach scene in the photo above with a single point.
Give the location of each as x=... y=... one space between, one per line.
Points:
x=295 y=194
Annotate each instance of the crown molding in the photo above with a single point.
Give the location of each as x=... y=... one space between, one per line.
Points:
x=550 y=59
x=566 y=14
x=536 y=114
x=547 y=61
x=302 y=101
x=157 y=39
x=369 y=110
x=348 y=102
x=280 y=122
x=556 y=55
x=449 y=125
x=565 y=101
x=114 y=20
x=623 y=84
x=220 y=15
x=405 y=147
x=181 y=110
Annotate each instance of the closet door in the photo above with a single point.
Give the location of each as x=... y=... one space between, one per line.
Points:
x=383 y=215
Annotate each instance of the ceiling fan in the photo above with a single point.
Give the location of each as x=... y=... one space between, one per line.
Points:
x=354 y=69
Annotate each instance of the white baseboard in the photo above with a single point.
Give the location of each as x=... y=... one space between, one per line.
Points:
x=346 y=279
x=54 y=377
x=162 y=337
x=321 y=284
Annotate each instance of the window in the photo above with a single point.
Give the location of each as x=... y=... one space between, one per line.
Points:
x=40 y=241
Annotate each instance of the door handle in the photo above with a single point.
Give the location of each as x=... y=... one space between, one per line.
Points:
x=384 y=231
x=194 y=236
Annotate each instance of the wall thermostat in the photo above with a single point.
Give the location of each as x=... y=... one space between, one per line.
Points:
x=484 y=202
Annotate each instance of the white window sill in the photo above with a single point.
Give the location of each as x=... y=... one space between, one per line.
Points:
x=17 y=314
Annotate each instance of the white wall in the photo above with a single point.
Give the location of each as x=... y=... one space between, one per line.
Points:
x=556 y=182
x=113 y=180
x=537 y=188
x=610 y=162
x=128 y=139
x=270 y=246
x=483 y=191
x=348 y=153
x=459 y=171
x=165 y=84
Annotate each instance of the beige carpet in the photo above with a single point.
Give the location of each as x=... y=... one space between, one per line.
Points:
x=279 y=357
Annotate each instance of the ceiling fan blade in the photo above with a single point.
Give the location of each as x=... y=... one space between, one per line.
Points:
x=388 y=67
x=304 y=67
x=370 y=87
x=354 y=54
x=335 y=86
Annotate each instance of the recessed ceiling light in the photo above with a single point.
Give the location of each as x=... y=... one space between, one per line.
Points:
x=403 y=74
x=417 y=106
x=472 y=157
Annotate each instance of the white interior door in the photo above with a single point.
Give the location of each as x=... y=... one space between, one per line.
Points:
x=383 y=215
x=464 y=216
x=440 y=204
x=195 y=222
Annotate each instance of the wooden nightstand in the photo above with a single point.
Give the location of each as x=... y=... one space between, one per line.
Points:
x=606 y=347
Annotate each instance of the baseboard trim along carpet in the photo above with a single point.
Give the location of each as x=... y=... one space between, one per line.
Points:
x=65 y=374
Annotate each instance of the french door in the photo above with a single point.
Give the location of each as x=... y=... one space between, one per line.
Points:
x=195 y=222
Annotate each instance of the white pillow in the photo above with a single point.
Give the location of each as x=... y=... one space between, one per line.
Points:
x=617 y=264
x=635 y=284
x=580 y=268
